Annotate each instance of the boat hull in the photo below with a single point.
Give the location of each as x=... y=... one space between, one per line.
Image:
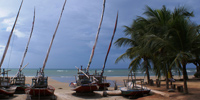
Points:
x=85 y=88
x=8 y=91
x=40 y=91
x=134 y=92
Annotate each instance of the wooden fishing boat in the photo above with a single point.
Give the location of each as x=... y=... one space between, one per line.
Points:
x=5 y=87
x=19 y=79
x=39 y=86
x=102 y=82
x=83 y=83
x=19 y=82
x=8 y=90
x=134 y=87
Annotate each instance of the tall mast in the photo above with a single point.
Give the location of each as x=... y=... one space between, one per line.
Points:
x=8 y=42
x=110 y=45
x=97 y=35
x=45 y=61
x=28 y=42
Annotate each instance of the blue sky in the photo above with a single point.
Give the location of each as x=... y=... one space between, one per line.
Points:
x=76 y=34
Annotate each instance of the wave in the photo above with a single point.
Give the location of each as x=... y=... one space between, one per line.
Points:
x=60 y=70
x=110 y=71
x=190 y=70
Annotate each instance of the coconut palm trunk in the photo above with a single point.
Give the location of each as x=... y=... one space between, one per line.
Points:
x=185 y=77
x=147 y=70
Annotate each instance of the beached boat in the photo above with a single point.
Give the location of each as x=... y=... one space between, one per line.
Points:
x=5 y=87
x=134 y=87
x=83 y=83
x=19 y=82
x=39 y=86
x=102 y=83
x=19 y=79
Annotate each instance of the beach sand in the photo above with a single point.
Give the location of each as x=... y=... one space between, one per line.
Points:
x=63 y=91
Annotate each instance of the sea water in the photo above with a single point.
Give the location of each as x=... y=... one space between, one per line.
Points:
x=68 y=75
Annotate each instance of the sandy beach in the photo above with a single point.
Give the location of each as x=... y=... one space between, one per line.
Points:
x=63 y=91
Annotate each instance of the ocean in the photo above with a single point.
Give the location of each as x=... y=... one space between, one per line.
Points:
x=68 y=75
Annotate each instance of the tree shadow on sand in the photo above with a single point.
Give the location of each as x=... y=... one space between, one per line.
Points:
x=87 y=95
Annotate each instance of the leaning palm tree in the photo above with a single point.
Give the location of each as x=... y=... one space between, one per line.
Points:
x=140 y=57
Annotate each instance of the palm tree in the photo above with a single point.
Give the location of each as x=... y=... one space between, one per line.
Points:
x=169 y=37
x=179 y=41
x=140 y=57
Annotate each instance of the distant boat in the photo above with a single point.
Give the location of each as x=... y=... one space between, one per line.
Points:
x=83 y=83
x=5 y=87
x=39 y=86
x=132 y=89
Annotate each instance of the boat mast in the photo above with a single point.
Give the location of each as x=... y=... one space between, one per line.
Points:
x=8 y=42
x=109 y=45
x=44 y=64
x=97 y=35
x=20 y=68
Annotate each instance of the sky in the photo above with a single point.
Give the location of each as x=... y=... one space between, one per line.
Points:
x=75 y=37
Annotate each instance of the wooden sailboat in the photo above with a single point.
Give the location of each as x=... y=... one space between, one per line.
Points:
x=83 y=83
x=80 y=81
x=19 y=79
x=5 y=87
x=102 y=83
x=40 y=85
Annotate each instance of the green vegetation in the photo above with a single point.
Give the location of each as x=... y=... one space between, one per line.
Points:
x=161 y=41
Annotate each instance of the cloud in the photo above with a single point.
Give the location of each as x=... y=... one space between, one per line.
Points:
x=9 y=23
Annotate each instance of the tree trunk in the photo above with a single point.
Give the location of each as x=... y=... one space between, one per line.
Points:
x=147 y=72
x=185 y=78
x=198 y=67
x=147 y=69
x=167 y=80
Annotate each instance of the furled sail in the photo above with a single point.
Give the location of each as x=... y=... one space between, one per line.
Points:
x=20 y=68
x=97 y=35
x=110 y=45
x=44 y=64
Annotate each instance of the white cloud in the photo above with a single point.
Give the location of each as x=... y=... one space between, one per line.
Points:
x=9 y=23
x=19 y=34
